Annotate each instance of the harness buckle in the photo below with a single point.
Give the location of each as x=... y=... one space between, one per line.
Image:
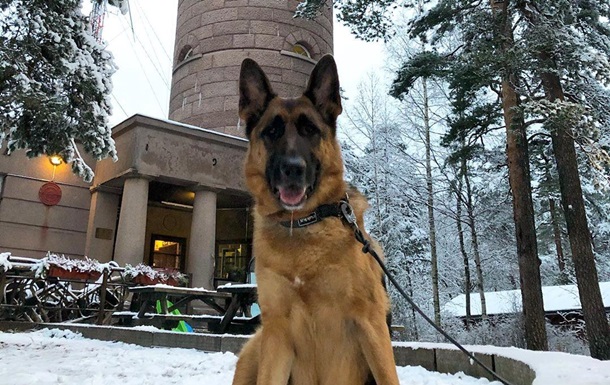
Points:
x=348 y=213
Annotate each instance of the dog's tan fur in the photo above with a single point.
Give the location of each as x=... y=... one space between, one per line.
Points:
x=322 y=299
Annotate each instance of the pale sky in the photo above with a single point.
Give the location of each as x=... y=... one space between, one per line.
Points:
x=144 y=57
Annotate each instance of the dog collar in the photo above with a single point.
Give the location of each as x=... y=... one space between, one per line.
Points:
x=341 y=209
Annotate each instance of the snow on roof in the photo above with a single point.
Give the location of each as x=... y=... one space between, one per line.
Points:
x=189 y=126
x=556 y=298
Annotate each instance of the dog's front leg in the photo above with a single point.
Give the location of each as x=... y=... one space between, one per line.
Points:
x=374 y=339
x=277 y=353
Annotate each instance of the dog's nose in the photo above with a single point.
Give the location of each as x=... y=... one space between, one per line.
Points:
x=293 y=168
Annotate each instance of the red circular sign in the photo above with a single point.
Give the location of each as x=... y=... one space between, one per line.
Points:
x=50 y=194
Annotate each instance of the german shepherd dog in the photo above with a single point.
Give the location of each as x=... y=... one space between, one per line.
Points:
x=323 y=303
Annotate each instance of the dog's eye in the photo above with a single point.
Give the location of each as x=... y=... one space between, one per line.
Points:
x=274 y=130
x=306 y=127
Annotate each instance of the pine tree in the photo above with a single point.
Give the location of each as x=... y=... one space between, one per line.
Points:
x=551 y=27
x=54 y=82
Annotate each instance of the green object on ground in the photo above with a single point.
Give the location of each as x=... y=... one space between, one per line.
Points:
x=182 y=326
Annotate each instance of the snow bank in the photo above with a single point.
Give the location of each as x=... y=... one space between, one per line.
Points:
x=552 y=368
x=54 y=356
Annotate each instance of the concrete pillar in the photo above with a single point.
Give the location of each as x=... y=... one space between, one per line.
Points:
x=101 y=227
x=202 y=243
x=132 y=222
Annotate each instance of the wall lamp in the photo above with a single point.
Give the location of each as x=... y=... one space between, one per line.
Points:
x=55 y=160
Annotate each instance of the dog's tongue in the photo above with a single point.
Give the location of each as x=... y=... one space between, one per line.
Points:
x=291 y=196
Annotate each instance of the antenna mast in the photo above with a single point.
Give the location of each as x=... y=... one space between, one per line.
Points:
x=97 y=18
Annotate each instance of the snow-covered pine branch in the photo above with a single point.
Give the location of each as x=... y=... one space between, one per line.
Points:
x=54 y=82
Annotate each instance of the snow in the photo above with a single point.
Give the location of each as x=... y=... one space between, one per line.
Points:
x=5 y=264
x=170 y=288
x=556 y=298
x=148 y=271
x=552 y=368
x=237 y=285
x=53 y=356
x=190 y=126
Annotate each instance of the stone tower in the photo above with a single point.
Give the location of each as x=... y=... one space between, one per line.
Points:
x=214 y=36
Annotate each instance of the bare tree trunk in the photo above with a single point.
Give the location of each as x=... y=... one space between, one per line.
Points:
x=523 y=211
x=474 y=241
x=557 y=236
x=376 y=175
x=458 y=212
x=555 y=223
x=430 y=191
x=413 y=315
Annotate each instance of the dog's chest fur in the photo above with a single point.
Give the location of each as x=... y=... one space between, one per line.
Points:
x=315 y=274
x=309 y=262
x=316 y=282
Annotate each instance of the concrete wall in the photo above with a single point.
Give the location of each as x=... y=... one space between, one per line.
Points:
x=435 y=359
x=174 y=153
x=27 y=226
x=221 y=34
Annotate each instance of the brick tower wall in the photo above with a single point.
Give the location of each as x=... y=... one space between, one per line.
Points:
x=212 y=39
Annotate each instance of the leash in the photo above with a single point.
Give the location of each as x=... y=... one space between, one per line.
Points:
x=348 y=215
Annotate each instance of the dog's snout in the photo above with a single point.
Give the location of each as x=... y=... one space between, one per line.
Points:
x=293 y=168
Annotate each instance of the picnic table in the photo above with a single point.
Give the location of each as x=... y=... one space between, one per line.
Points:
x=226 y=301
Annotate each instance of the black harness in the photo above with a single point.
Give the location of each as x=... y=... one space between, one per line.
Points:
x=341 y=209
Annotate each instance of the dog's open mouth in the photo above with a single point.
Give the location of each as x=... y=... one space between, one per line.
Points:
x=292 y=197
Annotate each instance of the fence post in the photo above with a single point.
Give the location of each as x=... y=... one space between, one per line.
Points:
x=103 y=288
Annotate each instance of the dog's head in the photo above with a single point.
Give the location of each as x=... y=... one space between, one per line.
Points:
x=294 y=160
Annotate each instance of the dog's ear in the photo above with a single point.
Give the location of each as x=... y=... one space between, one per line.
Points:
x=323 y=90
x=255 y=93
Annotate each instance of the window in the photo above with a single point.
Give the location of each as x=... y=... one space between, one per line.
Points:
x=185 y=53
x=301 y=50
x=232 y=261
x=167 y=252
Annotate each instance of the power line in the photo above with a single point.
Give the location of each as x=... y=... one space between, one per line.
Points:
x=155 y=33
x=119 y=104
x=145 y=75
x=159 y=72
x=158 y=61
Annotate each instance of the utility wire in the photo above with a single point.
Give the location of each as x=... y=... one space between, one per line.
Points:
x=151 y=60
x=119 y=104
x=154 y=33
x=145 y=75
x=140 y=11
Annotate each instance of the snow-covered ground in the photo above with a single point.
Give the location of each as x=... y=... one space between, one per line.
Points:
x=551 y=368
x=53 y=356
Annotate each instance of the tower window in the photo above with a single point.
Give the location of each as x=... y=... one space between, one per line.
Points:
x=301 y=50
x=185 y=53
